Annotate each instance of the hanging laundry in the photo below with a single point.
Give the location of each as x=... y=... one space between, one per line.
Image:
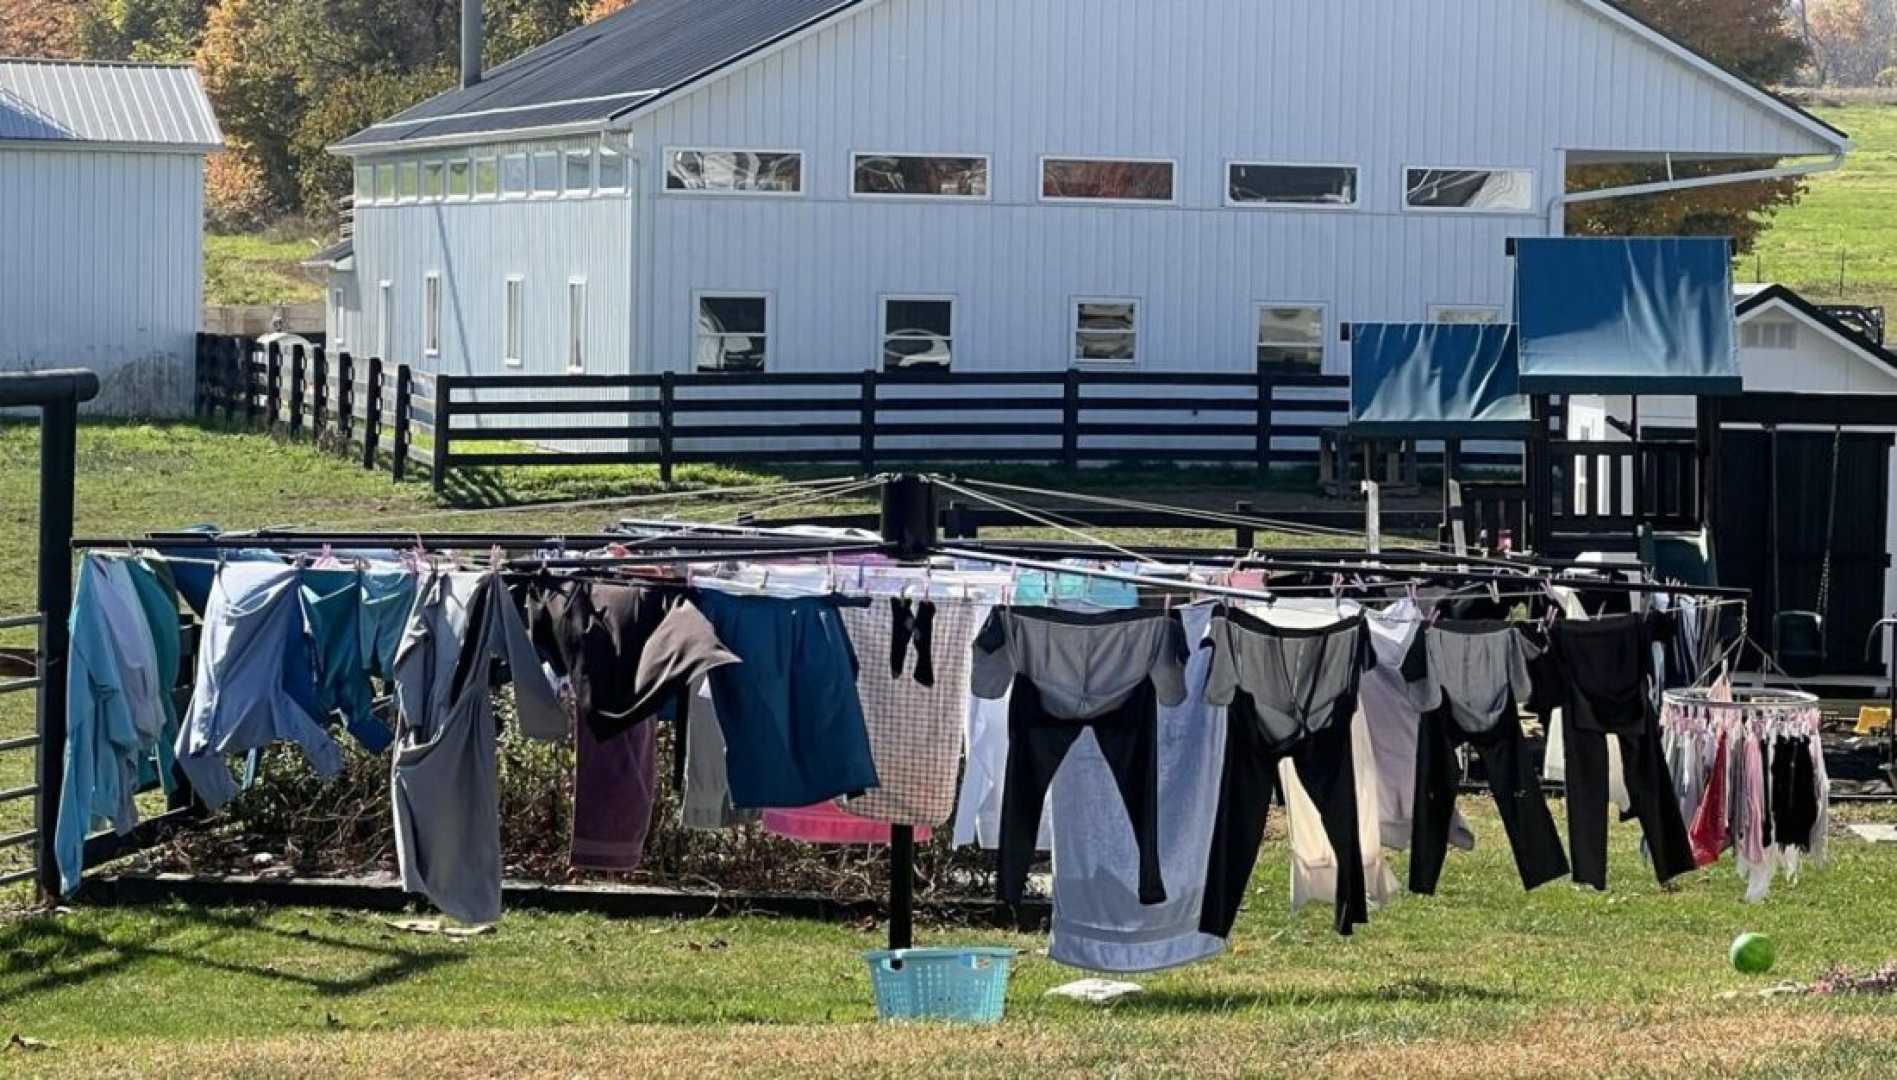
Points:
x=792 y=721
x=1292 y=693
x=628 y=649
x=706 y=798
x=158 y=598
x=984 y=772
x=827 y=823
x=1605 y=672
x=1472 y=679
x=104 y=743
x=1395 y=721
x=388 y=595
x=914 y=725
x=445 y=784
x=256 y=680
x=332 y=609
x=1065 y=673
x=1100 y=923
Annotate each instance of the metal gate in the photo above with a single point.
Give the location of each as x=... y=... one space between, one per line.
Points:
x=56 y=396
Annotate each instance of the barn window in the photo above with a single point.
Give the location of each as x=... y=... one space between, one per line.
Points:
x=1106 y=331
x=458 y=178
x=433 y=180
x=408 y=181
x=579 y=171
x=385 y=183
x=487 y=178
x=547 y=173
x=336 y=306
x=514 y=176
x=1106 y=179
x=734 y=331
x=365 y=185
x=431 y=314
x=1493 y=191
x=916 y=176
x=1332 y=187
x=386 y=293
x=1465 y=314
x=735 y=172
x=612 y=169
x=512 y=311
x=1291 y=336
x=576 y=325
x=918 y=333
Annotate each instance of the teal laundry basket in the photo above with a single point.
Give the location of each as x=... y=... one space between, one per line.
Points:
x=965 y=985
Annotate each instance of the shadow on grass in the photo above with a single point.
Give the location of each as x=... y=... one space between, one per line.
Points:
x=1420 y=991
x=54 y=953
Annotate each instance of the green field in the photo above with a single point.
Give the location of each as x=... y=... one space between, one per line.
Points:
x=1481 y=980
x=1850 y=214
x=259 y=268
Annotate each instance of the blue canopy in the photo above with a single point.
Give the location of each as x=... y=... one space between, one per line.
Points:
x=1431 y=380
x=1627 y=315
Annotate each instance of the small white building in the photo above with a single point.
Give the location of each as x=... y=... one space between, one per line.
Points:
x=102 y=225
x=1003 y=185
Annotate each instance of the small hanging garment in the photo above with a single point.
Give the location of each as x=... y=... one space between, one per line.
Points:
x=1290 y=693
x=1710 y=834
x=388 y=596
x=1472 y=677
x=914 y=702
x=1394 y=720
x=332 y=610
x=792 y=721
x=158 y=598
x=1604 y=666
x=1099 y=922
x=706 y=800
x=445 y=780
x=827 y=823
x=628 y=649
x=256 y=680
x=1066 y=673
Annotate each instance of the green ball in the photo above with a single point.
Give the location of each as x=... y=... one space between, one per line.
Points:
x=1753 y=954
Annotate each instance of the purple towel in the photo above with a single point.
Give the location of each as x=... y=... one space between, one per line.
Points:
x=615 y=785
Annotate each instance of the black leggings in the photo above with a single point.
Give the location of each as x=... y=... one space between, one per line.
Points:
x=1326 y=768
x=1037 y=744
x=1649 y=788
x=1512 y=780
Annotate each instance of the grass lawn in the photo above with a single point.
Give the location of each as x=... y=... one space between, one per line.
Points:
x=1853 y=212
x=260 y=268
x=1479 y=980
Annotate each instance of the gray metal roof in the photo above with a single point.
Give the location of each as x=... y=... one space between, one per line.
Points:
x=595 y=73
x=144 y=105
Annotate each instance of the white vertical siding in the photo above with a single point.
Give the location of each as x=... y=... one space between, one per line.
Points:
x=102 y=267
x=1383 y=84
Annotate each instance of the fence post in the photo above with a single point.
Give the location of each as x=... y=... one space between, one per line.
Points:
x=59 y=423
x=444 y=421
x=866 y=439
x=319 y=395
x=273 y=387
x=201 y=406
x=372 y=413
x=1267 y=404
x=957 y=523
x=668 y=400
x=345 y=395
x=244 y=372
x=1246 y=536
x=299 y=387
x=1070 y=420
x=404 y=387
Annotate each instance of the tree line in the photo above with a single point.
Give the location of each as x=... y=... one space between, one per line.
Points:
x=290 y=77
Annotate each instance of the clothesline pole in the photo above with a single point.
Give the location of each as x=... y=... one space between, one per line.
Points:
x=908 y=525
x=902 y=886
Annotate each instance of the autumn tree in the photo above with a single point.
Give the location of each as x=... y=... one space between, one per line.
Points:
x=1850 y=40
x=48 y=28
x=1753 y=39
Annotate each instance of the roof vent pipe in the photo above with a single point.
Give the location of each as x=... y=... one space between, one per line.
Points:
x=471 y=38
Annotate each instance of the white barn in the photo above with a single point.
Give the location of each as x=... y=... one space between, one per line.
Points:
x=1163 y=185
x=102 y=226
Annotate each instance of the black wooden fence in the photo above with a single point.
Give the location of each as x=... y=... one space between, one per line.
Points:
x=867 y=420
x=362 y=407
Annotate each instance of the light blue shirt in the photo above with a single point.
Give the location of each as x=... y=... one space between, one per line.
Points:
x=102 y=743
x=253 y=644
